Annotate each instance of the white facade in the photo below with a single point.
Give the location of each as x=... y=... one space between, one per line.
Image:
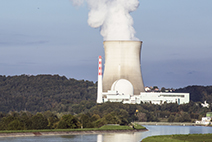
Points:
x=204 y=121
x=121 y=91
x=146 y=97
x=114 y=96
x=161 y=97
x=123 y=86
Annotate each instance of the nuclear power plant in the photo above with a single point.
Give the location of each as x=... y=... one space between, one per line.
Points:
x=122 y=79
x=122 y=61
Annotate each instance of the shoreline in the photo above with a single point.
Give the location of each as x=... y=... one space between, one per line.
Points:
x=86 y=132
x=169 y=123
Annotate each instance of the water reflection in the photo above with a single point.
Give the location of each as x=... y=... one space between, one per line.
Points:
x=124 y=137
x=156 y=130
x=115 y=137
x=99 y=138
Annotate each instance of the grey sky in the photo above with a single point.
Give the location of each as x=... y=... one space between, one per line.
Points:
x=53 y=37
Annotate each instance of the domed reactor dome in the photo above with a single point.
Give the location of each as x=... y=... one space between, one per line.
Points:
x=123 y=86
x=122 y=61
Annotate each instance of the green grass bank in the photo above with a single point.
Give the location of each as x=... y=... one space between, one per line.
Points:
x=103 y=129
x=180 y=138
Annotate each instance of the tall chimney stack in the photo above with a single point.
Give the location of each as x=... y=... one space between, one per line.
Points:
x=122 y=61
x=99 y=93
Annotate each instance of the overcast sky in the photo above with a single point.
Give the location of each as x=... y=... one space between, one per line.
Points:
x=53 y=37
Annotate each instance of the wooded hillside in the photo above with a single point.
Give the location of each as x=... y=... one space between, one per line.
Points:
x=57 y=93
x=198 y=93
x=45 y=92
x=59 y=98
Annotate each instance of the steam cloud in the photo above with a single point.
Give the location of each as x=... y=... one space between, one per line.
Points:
x=113 y=17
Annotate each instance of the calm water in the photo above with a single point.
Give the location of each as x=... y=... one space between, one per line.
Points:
x=114 y=137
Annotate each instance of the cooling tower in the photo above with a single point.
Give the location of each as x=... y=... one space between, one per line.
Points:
x=122 y=61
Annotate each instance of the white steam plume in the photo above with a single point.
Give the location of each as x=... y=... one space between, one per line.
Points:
x=113 y=17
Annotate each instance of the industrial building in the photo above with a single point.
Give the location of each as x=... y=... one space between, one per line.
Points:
x=163 y=97
x=122 y=80
x=146 y=97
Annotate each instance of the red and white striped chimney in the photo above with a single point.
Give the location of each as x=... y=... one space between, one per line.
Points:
x=99 y=92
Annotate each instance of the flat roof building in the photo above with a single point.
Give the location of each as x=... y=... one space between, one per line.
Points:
x=161 y=97
x=146 y=97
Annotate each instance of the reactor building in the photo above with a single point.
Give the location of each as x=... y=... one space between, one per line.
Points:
x=122 y=79
x=122 y=61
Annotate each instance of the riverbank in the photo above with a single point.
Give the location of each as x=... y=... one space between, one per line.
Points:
x=169 y=123
x=180 y=138
x=50 y=132
x=66 y=133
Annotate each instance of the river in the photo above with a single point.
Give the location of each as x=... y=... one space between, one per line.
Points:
x=115 y=137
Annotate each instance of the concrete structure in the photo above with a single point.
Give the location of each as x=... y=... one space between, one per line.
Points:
x=122 y=61
x=161 y=97
x=146 y=97
x=122 y=79
x=121 y=91
x=204 y=121
x=123 y=87
x=99 y=91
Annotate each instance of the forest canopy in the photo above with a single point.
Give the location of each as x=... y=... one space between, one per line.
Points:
x=59 y=102
x=45 y=92
x=57 y=93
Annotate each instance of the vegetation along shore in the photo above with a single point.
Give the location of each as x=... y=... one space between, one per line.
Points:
x=47 y=132
x=56 y=103
x=180 y=138
x=60 y=95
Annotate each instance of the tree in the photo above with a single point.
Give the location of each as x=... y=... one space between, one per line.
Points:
x=100 y=122
x=111 y=118
x=62 y=125
x=163 y=89
x=141 y=117
x=171 y=118
x=5 y=121
x=68 y=121
x=186 y=117
x=39 y=121
x=95 y=117
x=15 y=125
x=86 y=121
x=51 y=117
x=123 y=116
x=25 y=118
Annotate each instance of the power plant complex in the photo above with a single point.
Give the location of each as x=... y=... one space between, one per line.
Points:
x=122 y=79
